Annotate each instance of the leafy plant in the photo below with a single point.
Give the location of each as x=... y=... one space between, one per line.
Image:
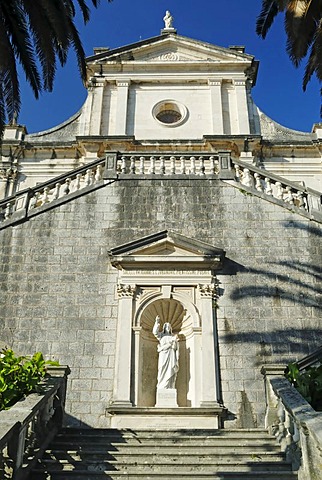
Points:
x=308 y=383
x=20 y=376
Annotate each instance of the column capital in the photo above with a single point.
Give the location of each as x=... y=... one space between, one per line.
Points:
x=123 y=83
x=240 y=82
x=125 y=290
x=214 y=82
x=208 y=290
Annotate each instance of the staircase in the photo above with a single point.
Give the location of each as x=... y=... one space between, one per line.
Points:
x=183 y=454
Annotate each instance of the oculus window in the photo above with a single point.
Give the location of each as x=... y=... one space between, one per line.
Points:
x=169 y=113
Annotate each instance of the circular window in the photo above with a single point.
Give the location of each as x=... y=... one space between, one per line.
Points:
x=169 y=113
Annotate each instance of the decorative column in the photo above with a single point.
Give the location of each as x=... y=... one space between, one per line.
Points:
x=242 y=107
x=216 y=106
x=122 y=379
x=210 y=366
x=121 y=108
x=8 y=178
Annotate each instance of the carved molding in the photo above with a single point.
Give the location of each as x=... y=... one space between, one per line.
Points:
x=214 y=83
x=8 y=173
x=169 y=57
x=125 y=290
x=208 y=290
x=240 y=83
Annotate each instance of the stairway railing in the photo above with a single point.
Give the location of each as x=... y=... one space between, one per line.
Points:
x=27 y=428
x=296 y=425
x=125 y=165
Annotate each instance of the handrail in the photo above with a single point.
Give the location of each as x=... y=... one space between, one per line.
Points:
x=171 y=165
x=311 y=359
x=27 y=428
x=296 y=425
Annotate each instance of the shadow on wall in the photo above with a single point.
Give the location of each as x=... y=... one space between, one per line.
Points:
x=288 y=289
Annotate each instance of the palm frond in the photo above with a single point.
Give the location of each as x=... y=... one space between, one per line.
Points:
x=270 y=9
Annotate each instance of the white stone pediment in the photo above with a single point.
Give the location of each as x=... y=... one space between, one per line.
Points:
x=173 y=48
x=167 y=250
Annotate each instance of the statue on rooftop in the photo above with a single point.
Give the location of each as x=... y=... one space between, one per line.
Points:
x=168 y=20
x=168 y=349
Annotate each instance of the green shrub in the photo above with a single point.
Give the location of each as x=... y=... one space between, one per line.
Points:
x=20 y=376
x=308 y=383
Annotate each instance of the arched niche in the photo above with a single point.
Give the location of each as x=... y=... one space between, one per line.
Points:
x=172 y=276
x=182 y=316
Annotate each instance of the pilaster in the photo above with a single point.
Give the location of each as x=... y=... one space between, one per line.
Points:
x=210 y=367
x=216 y=106
x=121 y=109
x=242 y=106
x=97 y=108
x=122 y=378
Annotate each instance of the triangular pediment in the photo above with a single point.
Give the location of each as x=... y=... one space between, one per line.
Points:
x=172 y=48
x=164 y=248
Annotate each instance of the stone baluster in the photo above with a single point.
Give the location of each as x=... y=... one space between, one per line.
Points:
x=123 y=164
x=88 y=178
x=288 y=428
x=132 y=166
x=182 y=165
x=300 y=200
x=45 y=196
x=66 y=188
x=281 y=418
x=77 y=182
x=247 y=179
x=258 y=182
x=279 y=191
x=268 y=186
x=162 y=165
x=201 y=166
x=56 y=191
x=7 y=212
x=152 y=165
x=296 y=433
x=98 y=173
x=237 y=173
x=193 y=165
x=288 y=196
x=172 y=165
x=141 y=165
x=34 y=201
x=212 y=165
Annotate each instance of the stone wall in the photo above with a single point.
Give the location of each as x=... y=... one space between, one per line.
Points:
x=58 y=288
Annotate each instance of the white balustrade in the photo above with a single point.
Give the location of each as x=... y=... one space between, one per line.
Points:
x=171 y=164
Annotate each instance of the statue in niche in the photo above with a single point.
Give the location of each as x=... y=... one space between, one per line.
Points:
x=168 y=349
x=168 y=20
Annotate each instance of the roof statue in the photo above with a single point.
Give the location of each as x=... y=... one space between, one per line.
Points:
x=168 y=20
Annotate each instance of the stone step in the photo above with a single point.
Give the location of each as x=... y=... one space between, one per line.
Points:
x=163 y=454
x=167 y=449
x=86 y=475
x=145 y=434
x=156 y=458
x=188 y=466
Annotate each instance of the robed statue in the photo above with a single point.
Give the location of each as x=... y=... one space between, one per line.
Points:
x=168 y=349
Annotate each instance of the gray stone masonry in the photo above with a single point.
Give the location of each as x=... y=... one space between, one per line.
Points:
x=58 y=288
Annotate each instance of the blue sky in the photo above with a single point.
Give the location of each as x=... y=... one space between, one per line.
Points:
x=278 y=91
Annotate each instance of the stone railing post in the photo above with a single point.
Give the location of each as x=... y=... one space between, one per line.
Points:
x=27 y=428
x=271 y=417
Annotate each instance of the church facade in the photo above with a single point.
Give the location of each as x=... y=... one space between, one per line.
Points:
x=170 y=195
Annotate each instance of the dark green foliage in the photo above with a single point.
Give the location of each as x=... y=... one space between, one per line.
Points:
x=20 y=376
x=308 y=383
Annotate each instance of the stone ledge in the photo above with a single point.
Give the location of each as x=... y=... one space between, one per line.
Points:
x=166 y=418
